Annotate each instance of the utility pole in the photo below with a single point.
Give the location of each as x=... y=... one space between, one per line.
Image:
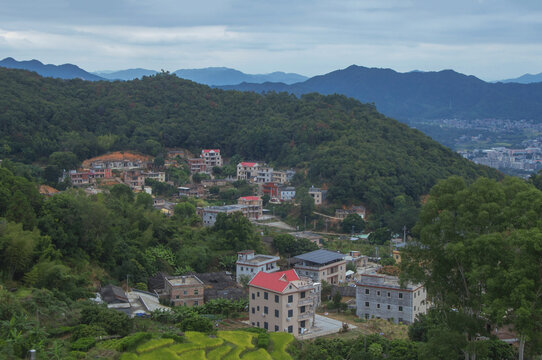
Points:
x=305 y=228
x=327 y=220
x=127 y=287
x=404 y=233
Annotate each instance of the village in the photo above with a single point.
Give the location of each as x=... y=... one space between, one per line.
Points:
x=287 y=294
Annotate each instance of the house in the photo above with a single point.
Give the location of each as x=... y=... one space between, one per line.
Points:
x=134 y=179
x=212 y=158
x=197 y=165
x=118 y=160
x=112 y=294
x=312 y=237
x=155 y=175
x=271 y=189
x=382 y=297
x=210 y=213
x=254 y=209
x=248 y=264
x=355 y=257
x=287 y=193
x=318 y=195
x=184 y=191
x=186 y=290
x=343 y=213
x=264 y=175
x=322 y=265
x=247 y=171
x=283 y=301
x=283 y=177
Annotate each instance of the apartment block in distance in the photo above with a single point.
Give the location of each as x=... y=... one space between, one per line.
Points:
x=322 y=265
x=381 y=296
x=249 y=264
x=186 y=290
x=283 y=301
x=212 y=158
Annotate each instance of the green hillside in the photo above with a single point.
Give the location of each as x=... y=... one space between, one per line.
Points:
x=347 y=146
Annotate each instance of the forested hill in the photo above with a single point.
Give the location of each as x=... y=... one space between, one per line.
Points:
x=345 y=145
x=421 y=95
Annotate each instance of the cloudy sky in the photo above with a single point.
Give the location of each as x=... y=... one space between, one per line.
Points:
x=492 y=39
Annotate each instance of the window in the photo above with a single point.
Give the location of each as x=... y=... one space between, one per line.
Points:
x=367 y=304
x=367 y=291
x=276 y=313
x=414 y=308
x=290 y=313
x=266 y=295
x=401 y=295
x=253 y=296
x=251 y=270
x=378 y=306
x=253 y=310
x=418 y=292
x=378 y=293
x=302 y=295
x=366 y=317
x=265 y=325
x=302 y=309
x=277 y=299
x=276 y=328
x=176 y=297
x=290 y=329
x=185 y=292
x=196 y=303
x=302 y=324
x=258 y=307
x=290 y=298
x=265 y=310
x=389 y=294
x=258 y=294
x=241 y=268
x=196 y=292
x=389 y=307
x=258 y=323
x=400 y=308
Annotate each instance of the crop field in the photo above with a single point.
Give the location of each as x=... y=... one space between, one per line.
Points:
x=226 y=345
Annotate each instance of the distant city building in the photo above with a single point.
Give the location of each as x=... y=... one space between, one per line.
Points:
x=382 y=297
x=343 y=213
x=248 y=264
x=197 y=165
x=283 y=301
x=322 y=265
x=283 y=177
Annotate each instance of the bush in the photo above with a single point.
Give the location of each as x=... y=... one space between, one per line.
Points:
x=83 y=344
x=263 y=340
x=132 y=341
x=112 y=321
x=197 y=323
x=86 y=331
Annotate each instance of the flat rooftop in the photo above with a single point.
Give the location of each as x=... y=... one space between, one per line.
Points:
x=258 y=259
x=385 y=280
x=187 y=280
x=321 y=256
x=224 y=208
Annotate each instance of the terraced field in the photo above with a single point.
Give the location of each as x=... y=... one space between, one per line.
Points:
x=226 y=345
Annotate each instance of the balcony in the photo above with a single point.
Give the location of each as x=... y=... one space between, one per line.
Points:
x=306 y=301
x=306 y=315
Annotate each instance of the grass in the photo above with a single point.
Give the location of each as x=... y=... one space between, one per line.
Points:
x=129 y=356
x=153 y=344
x=194 y=355
x=201 y=339
x=184 y=347
x=161 y=354
x=279 y=343
x=235 y=353
x=259 y=354
x=218 y=353
x=239 y=338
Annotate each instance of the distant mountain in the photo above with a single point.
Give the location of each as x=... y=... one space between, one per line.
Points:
x=66 y=71
x=420 y=95
x=525 y=79
x=129 y=74
x=218 y=76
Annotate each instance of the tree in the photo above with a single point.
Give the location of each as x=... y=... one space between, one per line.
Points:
x=64 y=160
x=184 y=210
x=352 y=223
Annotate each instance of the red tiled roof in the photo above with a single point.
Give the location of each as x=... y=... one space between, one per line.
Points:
x=209 y=150
x=276 y=281
x=250 y=198
x=251 y=164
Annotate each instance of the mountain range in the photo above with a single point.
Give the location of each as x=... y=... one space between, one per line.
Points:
x=66 y=71
x=525 y=79
x=420 y=95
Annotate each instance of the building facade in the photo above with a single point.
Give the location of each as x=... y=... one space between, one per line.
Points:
x=283 y=301
x=382 y=297
x=212 y=158
x=318 y=195
x=249 y=264
x=247 y=171
x=186 y=290
x=322 y=265
x=210 y=213
x=287 y=193
x=254 y=209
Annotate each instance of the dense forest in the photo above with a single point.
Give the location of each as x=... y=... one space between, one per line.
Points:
x=344 y=145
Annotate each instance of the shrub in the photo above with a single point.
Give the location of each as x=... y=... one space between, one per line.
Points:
x=197 y=323
x=84 y=331
x=132 y=341
x=263 y=340
x=83 y=344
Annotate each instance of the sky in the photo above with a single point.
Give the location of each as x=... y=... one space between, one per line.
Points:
x=491 y=39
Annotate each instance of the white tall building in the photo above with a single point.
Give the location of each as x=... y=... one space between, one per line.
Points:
x=249 y=264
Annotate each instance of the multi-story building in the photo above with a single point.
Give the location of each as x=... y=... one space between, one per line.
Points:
x=134 y=179
x=197 y=165
x=212 y=158
x=382 y=297
x=264 y=175
x=283 y=301
x=247 y=171
x=248 y=264
x=210 y=213
x=318 y=195
x=254 y=209
x=283 y=177
x=271 y=189
x=184 y=290
x=287 y=193
x=118 y=160
x=322 y=265
x=155 y=175
x=86 y=176
x=343 y=213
